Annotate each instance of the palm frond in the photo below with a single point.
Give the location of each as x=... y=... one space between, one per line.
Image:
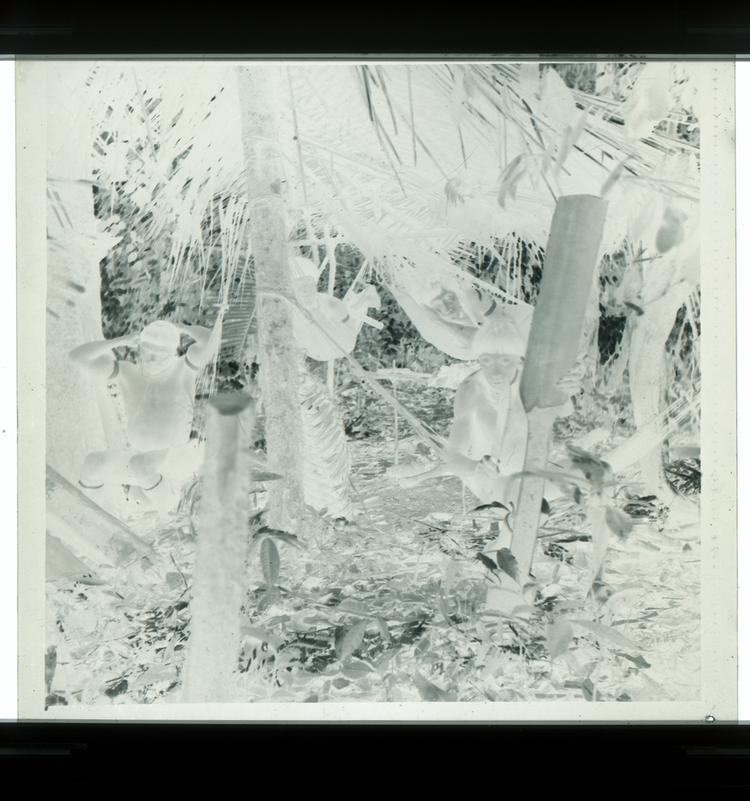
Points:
x=325 y=452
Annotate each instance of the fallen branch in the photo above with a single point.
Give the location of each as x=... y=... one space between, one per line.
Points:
x=84 y=527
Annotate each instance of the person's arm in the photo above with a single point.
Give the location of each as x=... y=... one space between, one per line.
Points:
x=461 y=425
x=207 y=341
x=359 y=303
x=568 y=386
x=461 y=429
x=97 y=357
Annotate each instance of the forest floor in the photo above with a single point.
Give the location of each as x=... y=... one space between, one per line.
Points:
x=397 y=606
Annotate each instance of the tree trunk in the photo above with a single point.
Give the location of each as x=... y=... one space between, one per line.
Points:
x=554 y=341
x=219 y=576
x=80 y=418
x=279 y=356
x=647 y=364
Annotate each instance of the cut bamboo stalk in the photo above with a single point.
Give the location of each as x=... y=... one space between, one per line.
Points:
x=219 y=576
x=567 y=280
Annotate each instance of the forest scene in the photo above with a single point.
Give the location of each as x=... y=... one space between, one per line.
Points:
x=372 y=382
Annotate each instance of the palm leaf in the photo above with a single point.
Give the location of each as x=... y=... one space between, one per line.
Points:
x=325 y=454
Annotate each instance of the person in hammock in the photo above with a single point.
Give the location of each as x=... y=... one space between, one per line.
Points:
x=158 y=392
x=449 y=317
x=340 y=319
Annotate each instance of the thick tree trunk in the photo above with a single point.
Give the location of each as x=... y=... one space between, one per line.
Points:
x=279 y=355
x=79 y=417
x=554 y=341
x=219 y=577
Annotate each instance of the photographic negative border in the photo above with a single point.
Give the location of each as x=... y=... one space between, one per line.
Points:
x=718 y=451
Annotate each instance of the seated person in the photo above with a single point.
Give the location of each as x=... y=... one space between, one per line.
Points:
x=341 y=319
x=487 y=442
x=158 y=392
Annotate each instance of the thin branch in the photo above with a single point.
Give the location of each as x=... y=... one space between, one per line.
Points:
x=296 y=135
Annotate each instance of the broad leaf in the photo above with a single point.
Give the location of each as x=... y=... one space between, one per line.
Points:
x=602 y=632
x=512 y=174
x=557 y=103
x=571 y=135
x=672 y=230
x=353 y=606
x=638 y=660
x=487 y=562
x=264 y=475
x=355 y=669
x=507 y=563
x=349 y=639
x=493 y=505
x=283 y=536
x=258 y=633
x=558 y=637
x=429 y=691
x=444 y=610
x=383 y=628
x=618 y=521
x=596 y=470
x=507 y=602
x=270 y=561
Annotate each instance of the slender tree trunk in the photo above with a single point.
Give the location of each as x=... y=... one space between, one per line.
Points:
x=219 y=577
x=279 y=357
x=647 y=368
x=331 y=252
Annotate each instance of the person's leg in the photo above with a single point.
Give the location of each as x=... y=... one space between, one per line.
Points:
x=145 y=469
x=103 y=467
x=148 y=472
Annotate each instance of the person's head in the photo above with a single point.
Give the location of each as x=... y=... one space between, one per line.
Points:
x=158 y=345
x=447 y=304
x=499 y=347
